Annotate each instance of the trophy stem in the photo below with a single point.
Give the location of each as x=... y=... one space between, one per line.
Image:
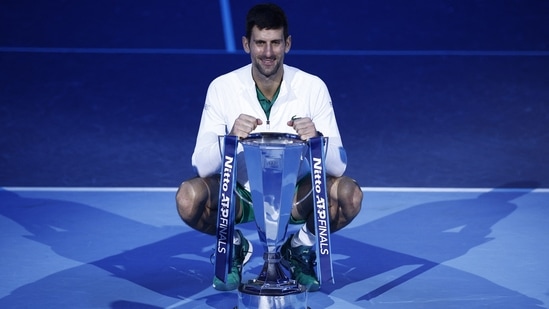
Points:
x=272 y=288
x=272 y=272
x=272 y=280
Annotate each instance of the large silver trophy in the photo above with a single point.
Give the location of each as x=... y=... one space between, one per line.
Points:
x=273 y=161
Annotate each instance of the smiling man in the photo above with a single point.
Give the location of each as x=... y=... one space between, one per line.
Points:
x=268 y=96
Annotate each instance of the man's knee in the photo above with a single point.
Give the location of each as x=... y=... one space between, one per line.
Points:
x=350 y=195
x=185 y=199
x=194 y=198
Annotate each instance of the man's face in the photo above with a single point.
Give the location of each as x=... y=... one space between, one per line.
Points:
x=267 y=48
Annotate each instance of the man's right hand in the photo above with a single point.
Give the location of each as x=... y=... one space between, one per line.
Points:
x=244 y=125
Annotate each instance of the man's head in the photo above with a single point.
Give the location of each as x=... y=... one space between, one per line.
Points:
x=266 y=16
x=266 y=40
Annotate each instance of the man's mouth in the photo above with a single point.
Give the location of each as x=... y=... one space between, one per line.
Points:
x=268 y=61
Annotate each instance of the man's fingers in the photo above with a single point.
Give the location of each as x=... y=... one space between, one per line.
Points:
x=244 y=125
x=304 y=127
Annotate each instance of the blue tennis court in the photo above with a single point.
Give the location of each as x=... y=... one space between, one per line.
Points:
x=443 y=108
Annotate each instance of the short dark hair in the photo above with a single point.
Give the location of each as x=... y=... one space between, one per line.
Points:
x=266 y=16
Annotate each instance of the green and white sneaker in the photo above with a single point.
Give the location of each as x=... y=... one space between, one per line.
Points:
x=300 y=261
x=242 y=251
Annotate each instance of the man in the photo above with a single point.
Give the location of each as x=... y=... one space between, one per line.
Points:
x=267 y=96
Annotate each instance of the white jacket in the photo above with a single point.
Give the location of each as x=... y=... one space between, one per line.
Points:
x=301 y=95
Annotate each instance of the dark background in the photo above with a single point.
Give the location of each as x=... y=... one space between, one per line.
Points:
x=427 y=93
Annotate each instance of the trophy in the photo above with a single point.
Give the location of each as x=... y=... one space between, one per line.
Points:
x=273 y=161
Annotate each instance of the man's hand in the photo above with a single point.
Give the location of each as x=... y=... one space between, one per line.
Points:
x=304 y=127
x=244 y=125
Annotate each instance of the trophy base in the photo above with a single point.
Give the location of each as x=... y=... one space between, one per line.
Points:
x=260 y=295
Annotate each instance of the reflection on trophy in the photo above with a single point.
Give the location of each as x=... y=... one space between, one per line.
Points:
x=273 y=162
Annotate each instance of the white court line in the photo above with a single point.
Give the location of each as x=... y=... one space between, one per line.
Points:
x=427 y=189
x=93 y=189
x=364 y=189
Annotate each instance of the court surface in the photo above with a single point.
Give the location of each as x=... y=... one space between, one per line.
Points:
x=443 y=107
x=124 y=248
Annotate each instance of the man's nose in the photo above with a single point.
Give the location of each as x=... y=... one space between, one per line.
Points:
x=268 y=49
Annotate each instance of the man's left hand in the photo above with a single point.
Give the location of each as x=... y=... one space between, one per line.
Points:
x=304 y=127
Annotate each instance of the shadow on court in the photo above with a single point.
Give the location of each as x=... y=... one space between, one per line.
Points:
x=121 y=259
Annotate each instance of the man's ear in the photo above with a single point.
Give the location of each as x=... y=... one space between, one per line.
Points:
x=246 y=44
x=288 y=43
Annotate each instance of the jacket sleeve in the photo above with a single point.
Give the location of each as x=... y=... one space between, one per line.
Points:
x=206 y=158
x=326 y=123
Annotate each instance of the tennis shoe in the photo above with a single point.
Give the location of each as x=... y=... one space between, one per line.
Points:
x=242 y=251
x=301 y=262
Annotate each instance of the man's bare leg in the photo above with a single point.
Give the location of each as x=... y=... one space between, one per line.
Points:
x=197 y=203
